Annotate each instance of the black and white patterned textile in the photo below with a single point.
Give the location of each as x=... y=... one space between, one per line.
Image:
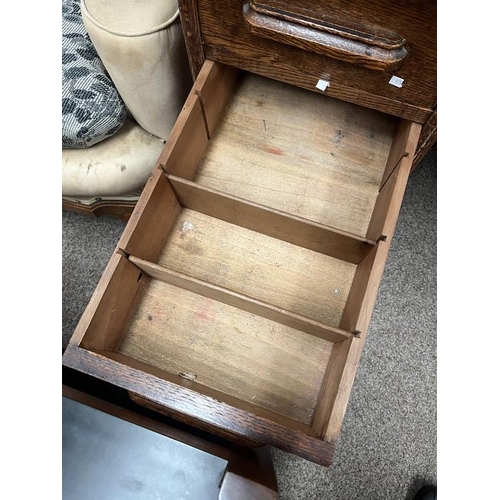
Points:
x=92 y=109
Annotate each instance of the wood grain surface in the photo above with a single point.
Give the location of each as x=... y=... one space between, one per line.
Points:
x=232 y=351
x=344 y=43
x=428 y=138
x=241 y=301
x=342 y=368
x=188 y=140
x=194 y=421
x=317 y=158
x=151 y=221
x=191 y=29
x=214 y=87
x=398 y=148
x=304 y=282
x=232 y=43
x=112 y=304
x=386 y=210
x=281 y=225
x=333 y=18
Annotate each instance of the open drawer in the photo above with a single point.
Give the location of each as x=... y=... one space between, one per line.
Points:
x=240 y=293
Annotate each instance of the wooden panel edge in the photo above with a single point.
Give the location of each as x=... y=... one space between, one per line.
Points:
x=95 y=300
x=197 y=120
x=149 y=226
x=352 y=309
x=142 y=203
x=187 y=141
x=428 y=138
x=334 y=395
x=194 y=422
x=205 y=390
x=398 y=148
x=271 y=222
x=103 y=321
x=345 y=93
x=188 y=10
x=214 y=86
x=330 y=423
x=240 y=301
x=340 y=373
x=194 y=404
x=386 y=210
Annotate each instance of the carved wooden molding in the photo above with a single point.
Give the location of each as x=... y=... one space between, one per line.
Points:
x=346 y=40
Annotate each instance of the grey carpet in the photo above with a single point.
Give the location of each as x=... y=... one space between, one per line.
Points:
x=387 y=448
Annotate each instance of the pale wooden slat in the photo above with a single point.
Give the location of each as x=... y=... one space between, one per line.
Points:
x=363 y=293
x=398 y=148
x=187 y=141
x=207 y=391
x=344 y=361
x=151 y=221
x=352 y=310
x=386 y=210
x=214 y=86
x=197 y=120
x=271 y=222
x=241 y=301
x=102 y=323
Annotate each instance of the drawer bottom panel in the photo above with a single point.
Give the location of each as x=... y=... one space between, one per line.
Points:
x=235 y=352
x=285 y=275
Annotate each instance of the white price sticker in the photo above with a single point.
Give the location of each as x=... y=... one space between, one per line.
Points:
x=396 y=81
x=322 y=85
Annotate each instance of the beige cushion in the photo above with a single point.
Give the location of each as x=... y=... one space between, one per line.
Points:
x=142 y=47
x=132 y=17
x=119 y=165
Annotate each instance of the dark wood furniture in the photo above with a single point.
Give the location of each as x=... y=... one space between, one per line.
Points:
x=299 y=51
x=241 y=291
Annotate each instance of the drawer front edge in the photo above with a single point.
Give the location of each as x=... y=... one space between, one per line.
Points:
x=198 y=406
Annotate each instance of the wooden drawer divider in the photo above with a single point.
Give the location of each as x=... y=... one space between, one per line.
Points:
x=241 y=301
x=95 y=346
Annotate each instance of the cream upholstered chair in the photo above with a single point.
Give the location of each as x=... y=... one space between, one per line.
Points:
x=141 y=46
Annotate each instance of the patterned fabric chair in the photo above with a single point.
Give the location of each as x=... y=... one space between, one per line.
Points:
x=125 y=76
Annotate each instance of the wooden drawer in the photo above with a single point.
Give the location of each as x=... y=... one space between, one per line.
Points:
x=356 y=46
x=240 y=293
